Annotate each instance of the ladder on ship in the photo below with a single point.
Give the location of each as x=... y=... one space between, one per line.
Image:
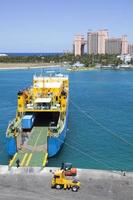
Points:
x=34 y=151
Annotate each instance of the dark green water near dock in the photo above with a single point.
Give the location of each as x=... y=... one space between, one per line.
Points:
x=100 y=125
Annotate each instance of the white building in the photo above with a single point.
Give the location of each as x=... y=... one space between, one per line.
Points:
x=125 y=58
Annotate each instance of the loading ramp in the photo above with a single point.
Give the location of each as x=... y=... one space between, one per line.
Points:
x=34 y=150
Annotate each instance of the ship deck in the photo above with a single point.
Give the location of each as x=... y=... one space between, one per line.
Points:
x=38 y=136
x=34 y=151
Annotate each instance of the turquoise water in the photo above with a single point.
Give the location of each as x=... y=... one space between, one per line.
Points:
x=100 y=126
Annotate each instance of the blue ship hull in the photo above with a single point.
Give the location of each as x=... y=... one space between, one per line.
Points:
x=55 y=143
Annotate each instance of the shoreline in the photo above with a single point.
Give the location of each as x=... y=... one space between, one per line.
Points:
x=22 y=66
x=13 y=66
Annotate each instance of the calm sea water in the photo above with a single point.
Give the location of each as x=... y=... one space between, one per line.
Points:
x=100 y=126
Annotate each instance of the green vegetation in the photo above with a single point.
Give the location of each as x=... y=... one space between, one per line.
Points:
x=103 y=59
x=87 y=60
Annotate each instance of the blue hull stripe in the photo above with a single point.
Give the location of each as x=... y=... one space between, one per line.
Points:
x=55 y=143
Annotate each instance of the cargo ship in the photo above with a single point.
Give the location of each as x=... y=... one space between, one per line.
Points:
x=39 y=128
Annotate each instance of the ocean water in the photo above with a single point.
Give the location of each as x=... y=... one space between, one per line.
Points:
x=100 y=125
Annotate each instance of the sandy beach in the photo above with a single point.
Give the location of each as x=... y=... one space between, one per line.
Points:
x=7 y=66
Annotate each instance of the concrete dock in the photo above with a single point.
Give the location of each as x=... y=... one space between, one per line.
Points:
x=33 y=183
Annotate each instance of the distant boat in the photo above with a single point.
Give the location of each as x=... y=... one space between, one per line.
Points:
x=3 y=55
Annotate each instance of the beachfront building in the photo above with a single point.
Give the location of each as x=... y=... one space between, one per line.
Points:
x=78 y=45
x=113 y=46
x=117 y=45
x=130 y=49
x=124 y=50
x=92 y=43
x=96 y=42
x=99 y=43
x=125 y=58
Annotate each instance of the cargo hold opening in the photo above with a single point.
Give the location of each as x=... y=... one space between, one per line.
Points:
x=46 y=118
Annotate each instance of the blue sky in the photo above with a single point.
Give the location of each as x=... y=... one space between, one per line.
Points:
x=49 y=25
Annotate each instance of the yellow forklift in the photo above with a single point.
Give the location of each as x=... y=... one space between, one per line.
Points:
x=60 y=181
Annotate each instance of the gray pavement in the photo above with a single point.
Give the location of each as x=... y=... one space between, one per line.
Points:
x=95 y=185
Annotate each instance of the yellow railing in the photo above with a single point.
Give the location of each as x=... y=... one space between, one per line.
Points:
x=11 y=162
x=45 y=160
x=24 y=159
x=28 y=160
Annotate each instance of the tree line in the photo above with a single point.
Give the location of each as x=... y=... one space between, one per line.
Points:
x=88 y=60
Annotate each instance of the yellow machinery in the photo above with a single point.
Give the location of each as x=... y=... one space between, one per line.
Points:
x=60 y=181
